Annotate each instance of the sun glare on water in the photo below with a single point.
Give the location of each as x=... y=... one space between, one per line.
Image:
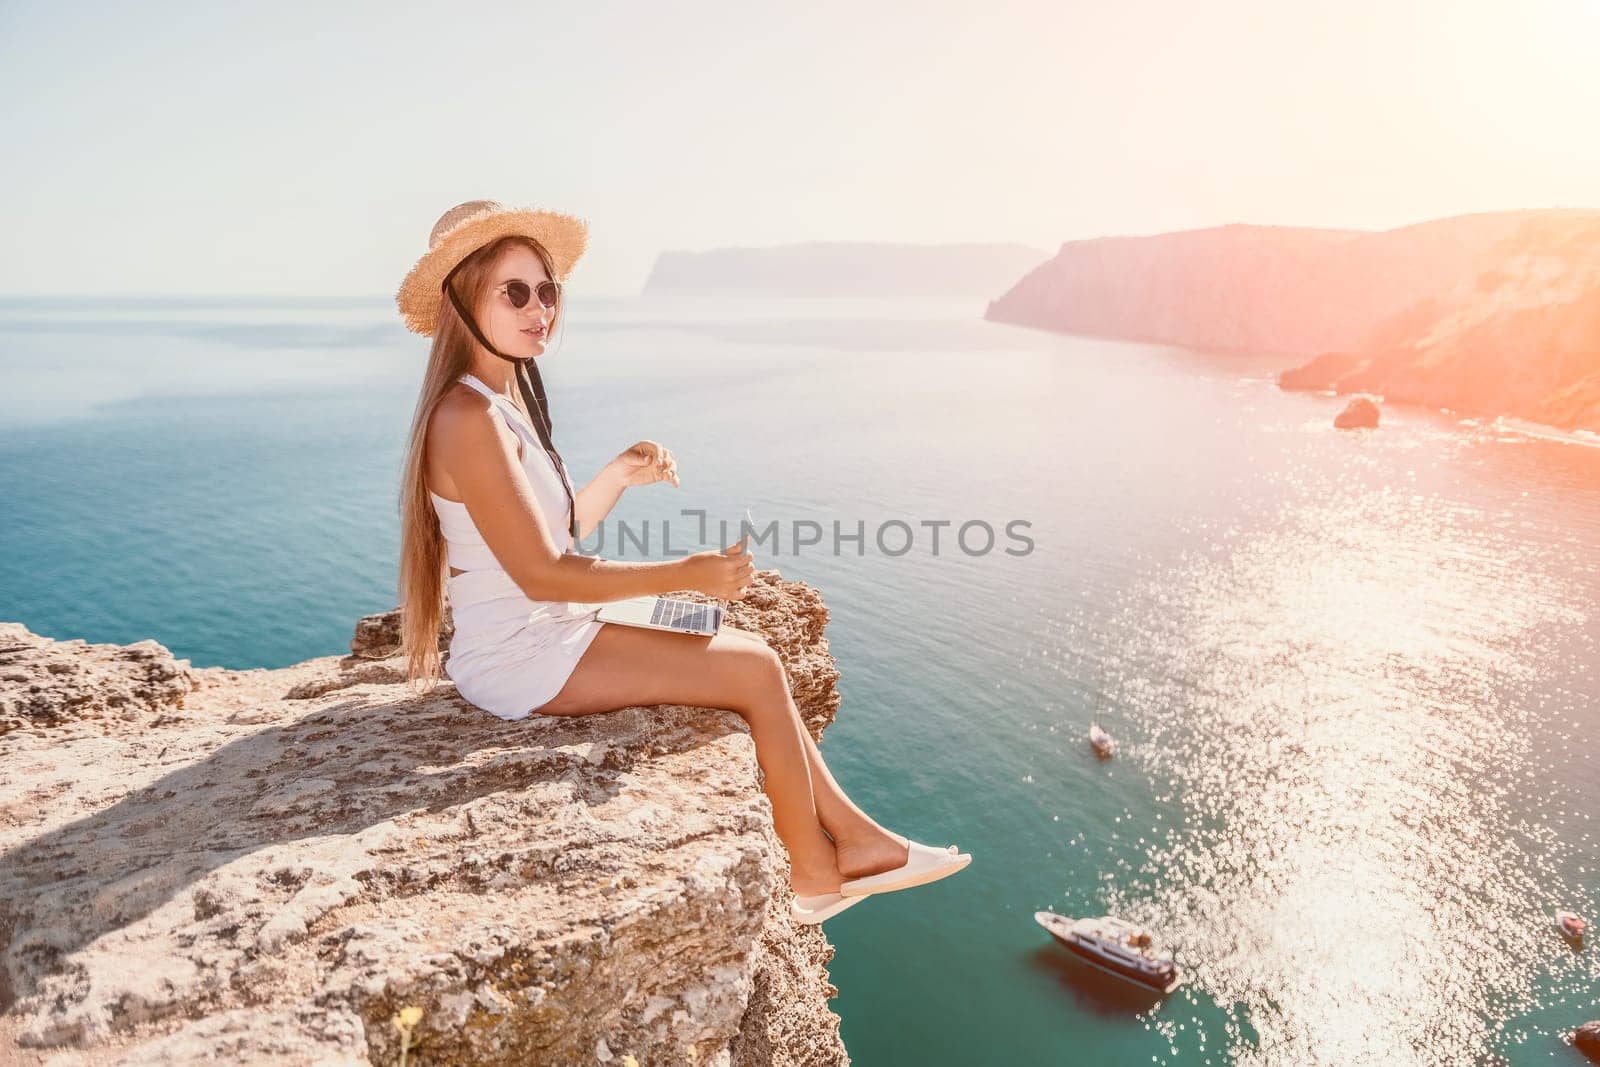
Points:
x=1363 y=872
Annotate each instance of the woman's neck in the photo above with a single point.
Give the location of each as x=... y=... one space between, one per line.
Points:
x=497 y=374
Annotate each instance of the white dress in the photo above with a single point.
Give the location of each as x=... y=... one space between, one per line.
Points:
x=510 y=654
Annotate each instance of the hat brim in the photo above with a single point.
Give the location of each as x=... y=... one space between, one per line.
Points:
x=565 y=237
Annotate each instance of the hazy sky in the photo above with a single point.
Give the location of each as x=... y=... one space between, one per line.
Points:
x=293 y=148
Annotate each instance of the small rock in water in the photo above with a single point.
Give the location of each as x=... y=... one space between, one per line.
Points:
x=1586 y=1039
x=1360 y=414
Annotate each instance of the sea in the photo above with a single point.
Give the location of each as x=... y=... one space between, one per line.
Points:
x=1353 y=675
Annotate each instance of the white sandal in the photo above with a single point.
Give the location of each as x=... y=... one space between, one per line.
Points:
x=923 y=864
x=809 y=911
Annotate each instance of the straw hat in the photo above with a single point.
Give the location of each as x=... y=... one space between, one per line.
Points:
x=467 y=227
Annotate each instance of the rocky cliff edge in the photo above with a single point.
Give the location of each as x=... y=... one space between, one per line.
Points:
x=270 y=865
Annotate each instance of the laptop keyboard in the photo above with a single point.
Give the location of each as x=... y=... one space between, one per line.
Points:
x=684 y=613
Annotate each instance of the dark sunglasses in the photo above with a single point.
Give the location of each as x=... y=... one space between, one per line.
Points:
x=519 y=292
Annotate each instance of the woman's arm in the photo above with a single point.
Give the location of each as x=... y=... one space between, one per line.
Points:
x=595 y=500
x=480 y=451
x=639 y=464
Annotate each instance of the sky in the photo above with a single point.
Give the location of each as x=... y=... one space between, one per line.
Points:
x=291 y=149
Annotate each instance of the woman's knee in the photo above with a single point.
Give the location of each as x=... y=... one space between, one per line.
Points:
x=745 y=635
x=752 y=662
x=761 y=648
x=748 y=673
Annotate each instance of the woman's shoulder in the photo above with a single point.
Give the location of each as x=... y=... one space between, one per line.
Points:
x=466 y=420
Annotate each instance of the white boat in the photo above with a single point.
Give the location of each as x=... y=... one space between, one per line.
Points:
x=1571 y=924
x=1100 y=740
x=1114 y=946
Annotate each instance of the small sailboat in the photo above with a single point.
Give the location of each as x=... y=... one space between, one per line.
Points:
x=1114 y=946
x=1571 y=924
x=1101 y=741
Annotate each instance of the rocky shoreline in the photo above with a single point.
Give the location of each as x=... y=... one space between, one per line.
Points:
x=1493 y=314
x=267 y=865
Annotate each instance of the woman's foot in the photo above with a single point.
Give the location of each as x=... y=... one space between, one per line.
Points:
x=815 y=881
x=872 y=851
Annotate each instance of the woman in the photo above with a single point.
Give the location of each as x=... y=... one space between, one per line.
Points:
x=487 y=495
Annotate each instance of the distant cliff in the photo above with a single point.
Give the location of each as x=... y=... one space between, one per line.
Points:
x=1491 y=314
x=200 y=865
x=837 y=268
x=1520 y=337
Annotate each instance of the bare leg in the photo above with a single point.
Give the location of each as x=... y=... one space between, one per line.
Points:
x=864 y=847
x=628 y=666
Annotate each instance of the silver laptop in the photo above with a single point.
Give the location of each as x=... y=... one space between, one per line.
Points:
x=664 y=613
x=667 y=613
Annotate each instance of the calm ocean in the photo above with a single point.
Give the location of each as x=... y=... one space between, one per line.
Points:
x=1353 y=676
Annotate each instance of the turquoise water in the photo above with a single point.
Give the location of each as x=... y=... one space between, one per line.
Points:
x=1353 y=676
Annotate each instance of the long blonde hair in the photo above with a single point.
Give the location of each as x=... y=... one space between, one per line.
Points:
x=422 y=551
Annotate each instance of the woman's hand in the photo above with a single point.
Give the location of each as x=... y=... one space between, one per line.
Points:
x=646 y=462
x=723 y=574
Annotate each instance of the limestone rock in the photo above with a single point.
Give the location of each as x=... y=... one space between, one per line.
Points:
x=1494 y=313
x=49 y=683
x=1360 y=414
x=1586 y=1039
x=274 y=873
x=378 y=636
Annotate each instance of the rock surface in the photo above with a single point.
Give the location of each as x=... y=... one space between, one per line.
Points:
x=1517 y=334
x=1360 y=414
x=1586 y=1039
x=1490 y=314
x=266 y=865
